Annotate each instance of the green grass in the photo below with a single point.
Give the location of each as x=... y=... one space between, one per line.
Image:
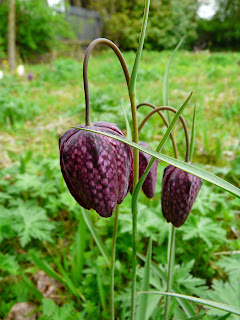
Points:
x=34 y=114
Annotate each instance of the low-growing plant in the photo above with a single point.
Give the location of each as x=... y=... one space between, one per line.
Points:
x=93 y=285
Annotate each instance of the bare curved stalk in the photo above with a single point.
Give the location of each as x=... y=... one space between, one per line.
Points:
x=85 y=69
x=158 y=109
x=166 y=123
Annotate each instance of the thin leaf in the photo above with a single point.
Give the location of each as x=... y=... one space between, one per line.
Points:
x=142 y=307
x=166 y=75
x=95 y=236
x=187 y=307
x=197 y=317
x=192 y=142
x=47 y=268
x=31 y=287
x=68 y=282
x=225 y=316
x=205 y=175
x=132 y=83
x=100 y=285
x=129 y=132
x=78 y=254
x=213 y=304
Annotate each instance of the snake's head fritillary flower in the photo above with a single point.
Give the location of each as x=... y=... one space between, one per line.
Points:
x=149 y=184
x=30 y=76
x=179 y=191
x=96 y=168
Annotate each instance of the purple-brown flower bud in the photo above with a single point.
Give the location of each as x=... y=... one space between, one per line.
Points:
x=96 y=168
x=179 y=191
x=149 y=184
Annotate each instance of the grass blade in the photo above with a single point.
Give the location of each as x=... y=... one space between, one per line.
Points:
x=78 y=254
x=205 y=175
x=129 y=132
x=43 y=265
x=101 y=288
x=95 y=236
x=166 y=75
x=187 y=307
x=225 y=316
x=209 y=303
x=132 y=83
x=197 y=317
x=31 y=287
x=192 y=142
x=142 y=307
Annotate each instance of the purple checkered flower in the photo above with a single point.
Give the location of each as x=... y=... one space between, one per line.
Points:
x=149 y=184
x=96 y=168
x=179 y=191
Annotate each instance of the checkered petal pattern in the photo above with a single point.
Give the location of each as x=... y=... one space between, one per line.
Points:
x=149 y=184
x=179 y=191
x=96 y=168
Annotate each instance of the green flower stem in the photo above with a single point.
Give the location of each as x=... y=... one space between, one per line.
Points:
x=112 y=264
x=132 y=95
x=85 y=70
x=158 y=109
x=171 y=254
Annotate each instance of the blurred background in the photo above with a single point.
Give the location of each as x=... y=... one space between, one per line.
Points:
x=43 y=26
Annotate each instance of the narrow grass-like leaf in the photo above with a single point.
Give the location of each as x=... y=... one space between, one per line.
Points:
x=95 y=236
x=37 y=294
x=143 y=303
x=192 y=142
x=78 y=254
x=46 y=268
x=132 y=83
x=129 y=132
x=209 y=303
x=225 y=316
x=187 y=307
x=166 y=75
x=101 y=288
x=68 y=282
x=205 y=175
x=197 y=317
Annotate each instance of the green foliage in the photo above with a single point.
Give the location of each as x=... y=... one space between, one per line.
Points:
x=38 y=27
x=166 y=25
x=30 y=172
x=223 y=30
x=204 y=228
x=225 y=292
x=51 y=311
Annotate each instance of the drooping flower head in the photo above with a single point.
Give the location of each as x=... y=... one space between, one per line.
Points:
x=179 y=191
x=149 y=184
x=96 y=168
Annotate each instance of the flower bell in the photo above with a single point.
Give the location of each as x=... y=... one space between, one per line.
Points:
x=149 y=184
x=179 y=191
x=96 y=168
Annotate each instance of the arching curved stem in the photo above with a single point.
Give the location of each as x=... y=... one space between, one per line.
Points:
x=85 y=69
x=166 y=123
x=159 y=109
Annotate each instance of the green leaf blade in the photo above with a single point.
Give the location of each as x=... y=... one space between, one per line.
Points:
x=205 y=175
x=95 y=236
x=209 y=303
x=142 y=307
